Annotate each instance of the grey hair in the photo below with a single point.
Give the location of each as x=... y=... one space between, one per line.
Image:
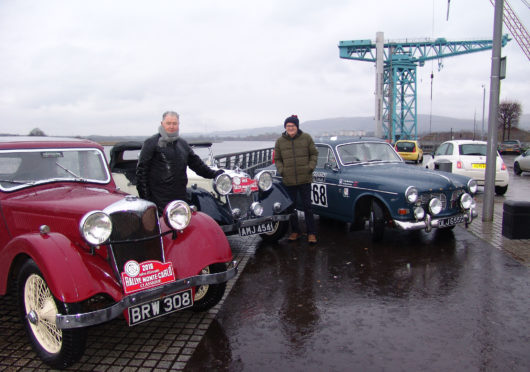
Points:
x=170 y=113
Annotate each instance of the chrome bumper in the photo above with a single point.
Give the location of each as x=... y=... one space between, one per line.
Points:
x=111 y=312
x=429 y=223
x=234 y=227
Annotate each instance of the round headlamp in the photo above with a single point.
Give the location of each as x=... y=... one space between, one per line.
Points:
x=95 y=227
x=472 y=186
x=466 y=201
x=177 y=214
x=419 y=213
x=256 y=208
x=223 y=184
x=435 y=206
x=264 y=179
x=411 y=194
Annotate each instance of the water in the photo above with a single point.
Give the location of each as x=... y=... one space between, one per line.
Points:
x=226 y=147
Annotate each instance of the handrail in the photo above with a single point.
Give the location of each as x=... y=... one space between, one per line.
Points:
x=248 y=161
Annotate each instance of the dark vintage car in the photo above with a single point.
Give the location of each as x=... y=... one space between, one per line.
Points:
x=364 y=180
x=240 y=204
x=78 y=252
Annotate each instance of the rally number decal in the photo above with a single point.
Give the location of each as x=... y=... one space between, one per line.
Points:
x=319 y=194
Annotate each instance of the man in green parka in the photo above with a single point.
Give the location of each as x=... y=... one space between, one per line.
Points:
x=295 y=156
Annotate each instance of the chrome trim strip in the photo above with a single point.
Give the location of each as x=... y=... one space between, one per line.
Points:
x=429 y=223
x=111 y=312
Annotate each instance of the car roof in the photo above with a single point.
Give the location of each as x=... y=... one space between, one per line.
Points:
x=339 y=140
x=462 y=142
x=29 y=142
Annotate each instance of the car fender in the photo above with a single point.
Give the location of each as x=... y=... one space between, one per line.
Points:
x=201 y=244
x=206 y=203
x=362 y=204
x=277 y=193
x=72 y=275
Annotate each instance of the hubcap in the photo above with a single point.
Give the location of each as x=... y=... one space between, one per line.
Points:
x=32 y=317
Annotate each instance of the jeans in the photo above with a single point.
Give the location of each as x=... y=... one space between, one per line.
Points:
x=304 y=193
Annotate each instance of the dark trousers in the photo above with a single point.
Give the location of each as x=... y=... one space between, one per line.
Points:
x=301 y=194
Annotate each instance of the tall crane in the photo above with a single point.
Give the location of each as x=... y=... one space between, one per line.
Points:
x=516 y=27
x=396 y=64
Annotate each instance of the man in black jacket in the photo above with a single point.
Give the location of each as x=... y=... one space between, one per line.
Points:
x=164 y=158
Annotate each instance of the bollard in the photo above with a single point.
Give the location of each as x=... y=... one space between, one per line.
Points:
x=516 y=219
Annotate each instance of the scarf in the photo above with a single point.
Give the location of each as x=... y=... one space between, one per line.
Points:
x=166 y=137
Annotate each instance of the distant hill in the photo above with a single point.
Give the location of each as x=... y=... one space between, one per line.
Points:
x=426 y=125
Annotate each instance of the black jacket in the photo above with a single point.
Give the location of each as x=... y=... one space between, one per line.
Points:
x=161 y=171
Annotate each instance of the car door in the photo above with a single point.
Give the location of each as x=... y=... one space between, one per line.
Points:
x=326 y=196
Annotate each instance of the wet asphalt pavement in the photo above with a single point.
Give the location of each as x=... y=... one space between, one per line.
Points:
x=435 y=302
x=453 y=301
x=444 y=301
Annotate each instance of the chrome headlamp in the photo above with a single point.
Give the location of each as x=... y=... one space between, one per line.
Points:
x=257 y=209
x=466 y=201
x=264 y=179
x=95 y=227
x=419 y=213
x=177 y=214
x=223 y=184
x=435 y=206
x=472 y=186
x=411 y=194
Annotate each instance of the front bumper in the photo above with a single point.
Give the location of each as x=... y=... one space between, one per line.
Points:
x=111 y=312
x=429 y=223
x=234 y=227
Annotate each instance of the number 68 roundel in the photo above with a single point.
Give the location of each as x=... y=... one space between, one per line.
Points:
x=319 y=194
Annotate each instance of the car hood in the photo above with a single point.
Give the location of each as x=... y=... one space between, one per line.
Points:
x=398 y=176
x=60 y=208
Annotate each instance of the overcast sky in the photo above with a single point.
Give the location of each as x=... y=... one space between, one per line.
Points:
x=112 y=67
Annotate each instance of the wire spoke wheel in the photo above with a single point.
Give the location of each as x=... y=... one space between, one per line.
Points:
x=38 y=309
x=41 y=311
x=201 y=291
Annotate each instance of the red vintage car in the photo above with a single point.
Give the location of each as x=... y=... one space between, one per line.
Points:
x=79 y=252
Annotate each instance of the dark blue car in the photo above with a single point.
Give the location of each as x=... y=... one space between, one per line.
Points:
x=364 y=179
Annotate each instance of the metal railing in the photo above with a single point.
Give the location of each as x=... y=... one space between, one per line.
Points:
x=248 y=161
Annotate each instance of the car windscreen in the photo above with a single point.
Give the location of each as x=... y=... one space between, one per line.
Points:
x=473 y=149
x=362 y=152
x=23 y=168
x=405 y=146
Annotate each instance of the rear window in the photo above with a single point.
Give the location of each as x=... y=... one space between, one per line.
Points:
x=405 y=146
x=473 y=149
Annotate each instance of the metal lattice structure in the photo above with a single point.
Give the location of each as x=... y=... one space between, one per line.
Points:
x=516 y=28
x=401 y=58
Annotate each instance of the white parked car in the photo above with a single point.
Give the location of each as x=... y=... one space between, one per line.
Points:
x=522 y=163
x=468 y=158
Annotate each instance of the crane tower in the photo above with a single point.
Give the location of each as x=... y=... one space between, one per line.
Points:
x=396 y=64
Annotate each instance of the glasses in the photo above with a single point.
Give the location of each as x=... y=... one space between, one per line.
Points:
x=290 y=126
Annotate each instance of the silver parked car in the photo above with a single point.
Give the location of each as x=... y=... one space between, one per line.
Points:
x=522 y=163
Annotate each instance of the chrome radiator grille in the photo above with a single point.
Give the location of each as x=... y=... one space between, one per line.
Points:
x=425 y=198
x=131 y=225
x=241 y=201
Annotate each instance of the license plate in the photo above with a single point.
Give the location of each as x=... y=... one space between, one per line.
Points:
x=260 y=228
x=451 y=221
x=478 y=166
x=162 y=306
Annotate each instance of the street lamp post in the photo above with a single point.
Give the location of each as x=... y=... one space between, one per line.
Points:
x=483 y=110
